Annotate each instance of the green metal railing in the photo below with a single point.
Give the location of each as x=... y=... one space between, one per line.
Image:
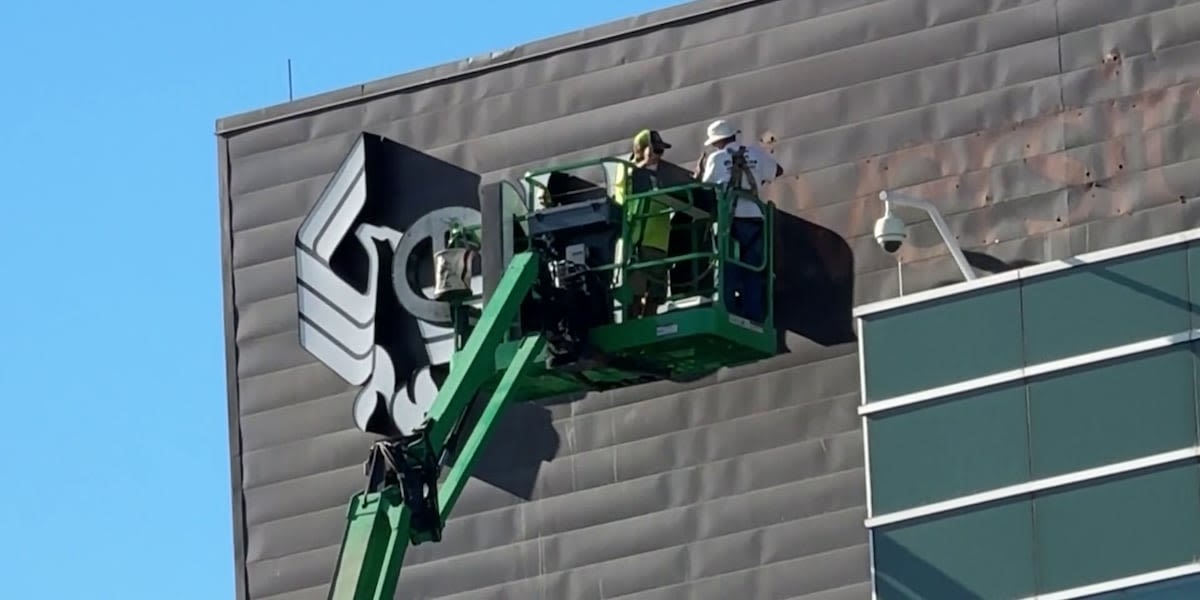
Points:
x=678 y=198
x=610 y=164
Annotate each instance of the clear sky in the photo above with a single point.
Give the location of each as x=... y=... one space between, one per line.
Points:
x=114 y=436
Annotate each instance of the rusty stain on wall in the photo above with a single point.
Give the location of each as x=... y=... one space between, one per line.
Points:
x=1119 y=165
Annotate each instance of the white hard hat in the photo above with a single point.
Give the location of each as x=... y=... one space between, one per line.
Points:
x=719 y=130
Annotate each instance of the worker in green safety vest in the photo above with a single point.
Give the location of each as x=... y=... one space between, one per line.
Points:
x=651 y=236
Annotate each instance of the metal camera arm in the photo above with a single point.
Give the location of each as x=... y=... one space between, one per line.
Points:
x=938 y=222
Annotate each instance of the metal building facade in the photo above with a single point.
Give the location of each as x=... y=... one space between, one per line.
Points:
x=1041 y=129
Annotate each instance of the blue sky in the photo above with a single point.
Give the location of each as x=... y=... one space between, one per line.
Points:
x=114 y=437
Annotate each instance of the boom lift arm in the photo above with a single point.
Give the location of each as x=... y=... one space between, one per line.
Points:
x=403 y=502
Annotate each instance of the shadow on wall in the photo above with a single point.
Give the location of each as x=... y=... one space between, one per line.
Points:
x=522 y=439
x=403 y=185
x=985 y=264
x=992 y=265
x=814 y=284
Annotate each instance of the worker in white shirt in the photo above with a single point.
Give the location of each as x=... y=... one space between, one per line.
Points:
x=742 y=289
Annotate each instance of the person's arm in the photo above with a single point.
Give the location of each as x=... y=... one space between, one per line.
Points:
x=769 y=165
x=712 y=171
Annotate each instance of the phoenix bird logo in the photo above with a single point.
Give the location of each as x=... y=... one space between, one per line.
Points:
x=338 y=321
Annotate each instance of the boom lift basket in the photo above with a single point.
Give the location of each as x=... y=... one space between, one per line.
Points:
x=694 y=332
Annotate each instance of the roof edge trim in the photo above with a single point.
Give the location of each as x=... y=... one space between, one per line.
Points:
x=1030 y=272
x=1122 y=583
x=428 y=76
x=232 y=383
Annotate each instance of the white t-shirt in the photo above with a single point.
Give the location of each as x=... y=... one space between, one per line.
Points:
x=719 y=164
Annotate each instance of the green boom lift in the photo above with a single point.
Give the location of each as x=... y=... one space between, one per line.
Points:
x=524 y=344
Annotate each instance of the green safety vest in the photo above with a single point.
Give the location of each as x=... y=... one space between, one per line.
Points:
x=654 y=232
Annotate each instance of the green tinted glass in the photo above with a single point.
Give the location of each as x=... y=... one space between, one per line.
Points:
x=941 y=450
x=1118 y=302
x=1118 y=527
x=983 y=552
x=1113 y=411
x=942 y=342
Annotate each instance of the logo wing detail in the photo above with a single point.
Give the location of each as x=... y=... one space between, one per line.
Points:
x=337 y=321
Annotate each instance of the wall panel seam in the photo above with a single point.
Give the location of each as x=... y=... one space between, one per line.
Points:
x=560 y=497
x=541 y=538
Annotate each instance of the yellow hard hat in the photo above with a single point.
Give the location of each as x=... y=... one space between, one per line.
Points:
x=651 y=138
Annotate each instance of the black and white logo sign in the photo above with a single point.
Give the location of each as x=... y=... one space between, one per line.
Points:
x=361 y=310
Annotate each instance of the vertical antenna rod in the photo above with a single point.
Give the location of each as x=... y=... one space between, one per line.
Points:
x=290 y=97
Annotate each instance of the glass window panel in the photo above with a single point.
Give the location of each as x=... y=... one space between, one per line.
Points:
x=1104 y=530
x=1113 y=411
x=1105 y=305
x=941 y=450
x=982 y=552
x=942 y=342
x=1196 y=383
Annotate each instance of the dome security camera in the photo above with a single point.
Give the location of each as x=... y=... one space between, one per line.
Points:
x=890 y=230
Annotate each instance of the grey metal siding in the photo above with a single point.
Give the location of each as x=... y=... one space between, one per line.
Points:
x=1041 y=128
